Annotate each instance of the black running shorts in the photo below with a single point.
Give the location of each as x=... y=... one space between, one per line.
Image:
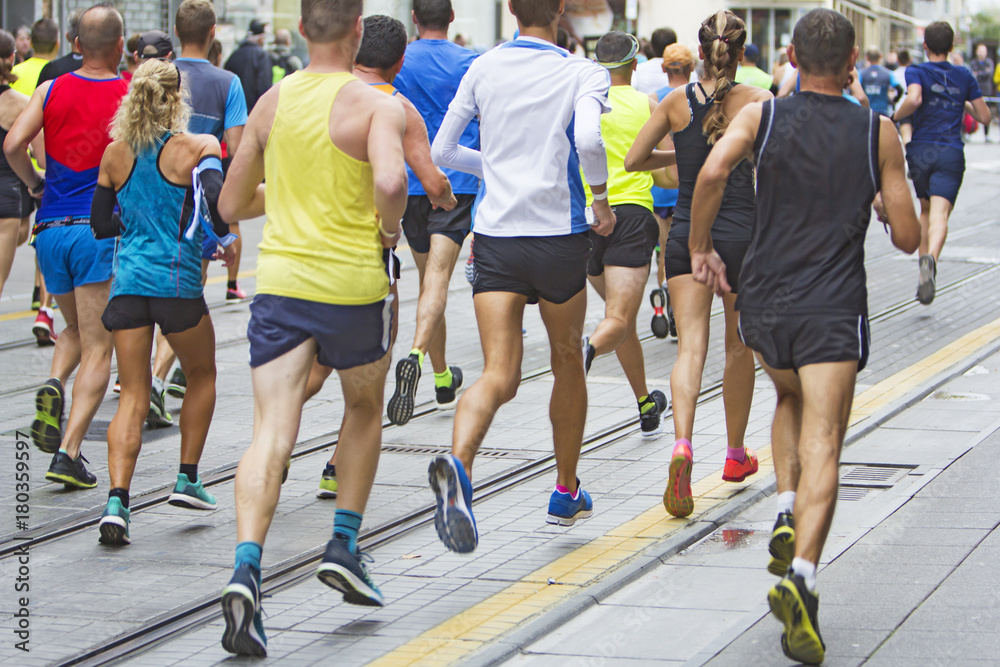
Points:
x=15 y=200
x=553 y=268
x=173 y=315
x=677 y=258
x=789 y=342
x=422 y=219
x=630 y=244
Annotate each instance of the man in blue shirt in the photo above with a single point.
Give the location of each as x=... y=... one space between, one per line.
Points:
x=432 y=69
x=877 y=82
x=936 y=95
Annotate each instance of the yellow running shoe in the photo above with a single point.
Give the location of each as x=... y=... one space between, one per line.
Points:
x=782 y=545
x=798 y=609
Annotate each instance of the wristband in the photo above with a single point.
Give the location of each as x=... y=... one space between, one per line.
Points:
x=383 y=232
x=38 y=189
x=600 y=197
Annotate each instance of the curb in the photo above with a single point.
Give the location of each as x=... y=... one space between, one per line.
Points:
x=548 y=621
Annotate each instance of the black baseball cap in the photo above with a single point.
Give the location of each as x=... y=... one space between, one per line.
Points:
x=154 y=44
x=257 y=27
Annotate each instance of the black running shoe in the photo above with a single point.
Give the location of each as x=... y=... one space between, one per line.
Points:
x=659 y=324
x=158 y=415
x=447 y=397
x=71 y=473
x=244 y=633
x=400 y=406
x=798 y=609
x=36 y=298
x=782 y=545
x=177 y=386
x=344 y=571
x=588 y=355
x=927 y=286
x=46 y=430
x=649 y=418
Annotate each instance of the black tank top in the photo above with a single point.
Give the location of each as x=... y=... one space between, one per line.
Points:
x=6 y=173
x=735 y=216
x=817 y=174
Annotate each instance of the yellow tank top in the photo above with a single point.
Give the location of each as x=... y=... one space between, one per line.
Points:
x=629 y=112
x=321 y=241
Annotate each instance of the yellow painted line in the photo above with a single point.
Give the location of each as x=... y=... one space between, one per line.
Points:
x=215 y=280
x=24 y=314
x=486 y=621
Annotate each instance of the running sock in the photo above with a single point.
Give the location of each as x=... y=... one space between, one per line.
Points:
x=191 y=470
x=120 y=494
x=420 y=357
x=807 y=571
x=645 y=407
x=330 y=470
x=346 y=525
x=736 y=454
x=231 y=285
x=443 y=379
x=248 y=553
x=786 y=502
x=157 y=385
x=686 y=442
x=562 y=489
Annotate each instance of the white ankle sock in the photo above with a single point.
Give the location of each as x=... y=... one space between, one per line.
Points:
x=807 y=571
x=157 y=384
x=786 y=502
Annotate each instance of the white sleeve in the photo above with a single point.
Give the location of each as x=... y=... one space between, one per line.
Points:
x=447 y=152
x=589 y=143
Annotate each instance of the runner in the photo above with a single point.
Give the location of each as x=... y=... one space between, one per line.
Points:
x=377 y=64
x=77 y=268
x=147 y=172
x=322 y=291
x=982 y=68
x=936 y=96
x=619 y=266
x=69 y=62
x=697 y=116
x=532 y=244
x=878 y=82
x=803 y=305
x=16 y=204
x=429 y=78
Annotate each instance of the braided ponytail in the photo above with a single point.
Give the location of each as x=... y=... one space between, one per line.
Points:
x=722 y=37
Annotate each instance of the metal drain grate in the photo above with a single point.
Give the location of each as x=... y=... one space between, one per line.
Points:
x=849 y=494
x=430 y=451
x=878 y=476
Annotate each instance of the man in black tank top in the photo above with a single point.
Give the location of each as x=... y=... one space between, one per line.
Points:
x=803 y=295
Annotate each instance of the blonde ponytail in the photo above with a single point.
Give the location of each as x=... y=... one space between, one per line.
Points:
x=154 y=106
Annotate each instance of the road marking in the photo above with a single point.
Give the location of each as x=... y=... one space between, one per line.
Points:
x=487 y=621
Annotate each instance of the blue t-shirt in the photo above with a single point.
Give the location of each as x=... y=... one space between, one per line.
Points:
x=945 y=89
x=431 y=72
x=217 y=99
x=663 y=198
x=877 y=82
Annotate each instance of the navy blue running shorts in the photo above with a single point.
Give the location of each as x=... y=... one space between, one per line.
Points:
x=936 y=171
x=421 y=220
x=346 y=336
x=553 y=268
x=630 y=244
x=789 y=342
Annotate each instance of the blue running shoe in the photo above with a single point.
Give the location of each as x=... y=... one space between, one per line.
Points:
x=114 y=524
x=244 y=633
x=344 y=571
x=564 y=510
x=192 y=496
x=454 y=521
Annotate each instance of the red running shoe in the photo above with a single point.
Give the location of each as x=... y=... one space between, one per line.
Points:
x=737 y=471
x=677 y=498
x=44 y=327
x=234 y=295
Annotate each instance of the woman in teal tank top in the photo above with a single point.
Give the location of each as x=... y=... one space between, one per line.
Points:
x=166 y=185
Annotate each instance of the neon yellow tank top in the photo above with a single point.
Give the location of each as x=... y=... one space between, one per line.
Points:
x=321 y=241
x=629 y=112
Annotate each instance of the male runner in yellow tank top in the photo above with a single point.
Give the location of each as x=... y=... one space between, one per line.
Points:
x=322 y=291
x=619 y=265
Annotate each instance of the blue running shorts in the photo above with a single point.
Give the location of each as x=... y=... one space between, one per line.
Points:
x=936 y=170
x=70 y=256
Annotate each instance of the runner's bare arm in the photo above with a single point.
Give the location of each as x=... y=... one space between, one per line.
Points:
x=644 y=154
x=981 y=112
x=22 y=133
x=385 y=153
x=666 y=177
x=896 y=201
x=914 y=98
x=417 y=149
x=242 y=194
x=233 y=136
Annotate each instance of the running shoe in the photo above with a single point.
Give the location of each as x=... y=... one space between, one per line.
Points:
x=564 y=510
x=798 y=609
x=659 y=325
x=192 y=496
x=782 y=545
x=44 y=328
x=158 y=415
x=327 y=486
x=677 y=498
x=447 y=397
x=118 y=386
x=244 y=633
x=589 y=352
x=453 y=519
x=46 y=430
x=235 y=295
x=650 y=422
x=71 y=473
x=36 y=298
x=177 y=386
x=928 y=280
x=114 y=524
x=737 y=471
x=344 y=571
x=400 y=406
